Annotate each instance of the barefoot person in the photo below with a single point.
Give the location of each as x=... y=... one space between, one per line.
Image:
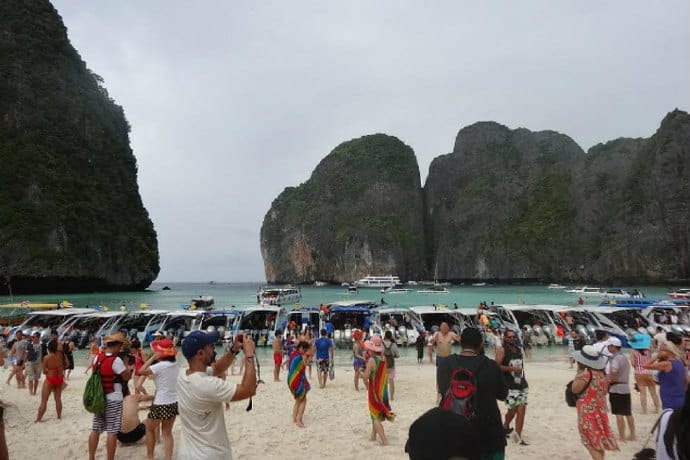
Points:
x=592 y=418
x=358 y=358
x=509 y=359
x=53 y=368
x=132 y=429
x=644 y=380
x=162 y=366
x=202 y=392
x=376 y=380
x=298 y=383
x=444 y=339
x=390 y=353
x=114 y=373
x=277 y=355
x=33 y=362
x=619 y=389
x=324 y=357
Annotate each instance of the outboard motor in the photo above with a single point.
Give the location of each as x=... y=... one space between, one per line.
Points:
x=402 y=335
x=83 y=339
x=133 y=333
x=221 y=331
x=338 y=337
x=347 y=337
x=74 y=336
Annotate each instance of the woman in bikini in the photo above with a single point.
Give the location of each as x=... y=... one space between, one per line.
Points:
x=54 y=369
x=139 y=359
x=358 y=357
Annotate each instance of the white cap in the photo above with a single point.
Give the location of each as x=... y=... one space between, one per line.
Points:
x=615 y=341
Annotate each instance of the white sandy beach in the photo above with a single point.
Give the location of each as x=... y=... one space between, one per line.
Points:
x=337 y=420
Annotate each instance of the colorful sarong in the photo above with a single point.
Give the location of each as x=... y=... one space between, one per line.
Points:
x=379 y=407
x=297 y=377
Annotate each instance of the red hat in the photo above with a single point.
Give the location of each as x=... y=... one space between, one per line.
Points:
x=164 y=347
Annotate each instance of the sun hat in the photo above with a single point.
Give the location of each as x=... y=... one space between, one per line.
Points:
x=641 y=341
x=164 y=347
x=615 y=341
x=589 y=357
x=374 y=344
x=116 y=337
x=197 y=340
x=157 y=334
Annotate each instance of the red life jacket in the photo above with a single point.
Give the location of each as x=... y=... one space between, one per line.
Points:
x=108 y=375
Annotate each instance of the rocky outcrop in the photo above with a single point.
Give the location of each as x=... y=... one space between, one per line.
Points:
x=505 y=205
x=361 y=212
x=71 y=217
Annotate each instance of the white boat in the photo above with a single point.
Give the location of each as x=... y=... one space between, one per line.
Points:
x=618 y=293
x=481 y=284
x=378 y=281
x=680 y=293
x=586 y=290
x=404 y=324
x=320 y=283
x=45 y=321
x=352 y=290
x=432 y=317
x=261 y=322
x=555 y=286
x=396 y=289
x=344 y=317
x=203 y=301
x=435 y=289
x=279 y=296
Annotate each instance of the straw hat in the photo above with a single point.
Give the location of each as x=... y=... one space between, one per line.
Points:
x=590 y=357
x=116 y=337
x=164 y=347
x=374 y=344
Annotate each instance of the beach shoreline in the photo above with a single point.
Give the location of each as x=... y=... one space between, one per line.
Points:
x=337 y=419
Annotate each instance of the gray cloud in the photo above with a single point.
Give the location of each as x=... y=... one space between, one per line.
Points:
x=230 y=102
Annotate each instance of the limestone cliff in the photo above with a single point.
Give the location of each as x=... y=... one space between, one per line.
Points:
x=360 y=213
x=71 y=217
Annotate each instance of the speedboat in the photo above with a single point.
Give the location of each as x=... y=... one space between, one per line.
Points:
x=261 y=323
x=279 y=296
x=345 y=316
x=220 y=321
x=555 y=286
x=80 y=328
x=434 y=289
x=432 y=316
x=396 y=289
x=202 y=302
x=586 y=290
x=303 y=318
x=45 y=321
x=404 y=324
x=378 y=281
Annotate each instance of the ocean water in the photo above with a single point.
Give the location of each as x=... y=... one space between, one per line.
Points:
x=244 y=294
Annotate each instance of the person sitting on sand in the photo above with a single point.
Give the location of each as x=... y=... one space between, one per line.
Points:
x=53 y=368
x=376 y=380
x=131 y=428
x=298 y=383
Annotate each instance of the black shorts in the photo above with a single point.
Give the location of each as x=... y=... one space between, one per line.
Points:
x=133 y=436
x=620 y=403
x=324 y=365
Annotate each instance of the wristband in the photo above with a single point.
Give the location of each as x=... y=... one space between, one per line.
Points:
x=250 y=358
x=235 y=352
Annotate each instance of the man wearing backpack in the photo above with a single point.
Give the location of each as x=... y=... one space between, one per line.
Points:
x=114 y=373
x=483 y=435
x=34 y=362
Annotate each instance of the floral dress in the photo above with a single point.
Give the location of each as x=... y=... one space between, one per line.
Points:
x=592 y=418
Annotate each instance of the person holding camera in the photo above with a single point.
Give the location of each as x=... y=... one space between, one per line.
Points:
x=202 y=392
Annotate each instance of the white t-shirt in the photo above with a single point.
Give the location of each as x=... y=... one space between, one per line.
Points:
x=165 y=376
x=118 y=367
x=200 y=399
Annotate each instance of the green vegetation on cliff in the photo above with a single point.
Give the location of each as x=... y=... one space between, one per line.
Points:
x=71 y=217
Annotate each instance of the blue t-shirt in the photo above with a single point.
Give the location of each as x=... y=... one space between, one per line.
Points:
x=322 y=345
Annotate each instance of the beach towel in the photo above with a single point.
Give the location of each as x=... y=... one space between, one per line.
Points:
x=297 y=377
x=379 y=407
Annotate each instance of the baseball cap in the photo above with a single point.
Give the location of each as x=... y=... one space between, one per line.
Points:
x=197 y=340
x=615 y=341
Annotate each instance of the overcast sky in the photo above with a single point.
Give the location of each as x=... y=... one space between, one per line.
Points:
x=232 y=101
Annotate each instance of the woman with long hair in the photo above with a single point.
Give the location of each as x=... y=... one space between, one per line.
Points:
x=358 y=358
x=139 y=359
x=670 y=362
x=54 y=369
x=673 y=442
x=376 y=380
x=164 y=409
x=591 y=385
x=644 y=382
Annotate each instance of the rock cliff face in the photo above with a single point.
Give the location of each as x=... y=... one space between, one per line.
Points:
x=360 y=213
x=71 y=218
x=505 y=205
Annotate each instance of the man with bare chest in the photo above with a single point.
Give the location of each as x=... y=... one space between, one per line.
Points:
x=444 y=339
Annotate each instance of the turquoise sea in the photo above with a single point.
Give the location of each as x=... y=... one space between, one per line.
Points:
x=244 y=294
